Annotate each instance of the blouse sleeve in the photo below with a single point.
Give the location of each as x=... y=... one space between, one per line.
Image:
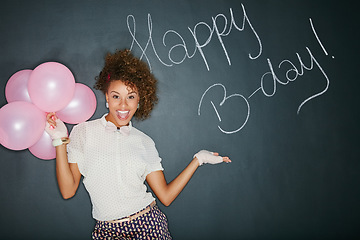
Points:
x=76 y=146
x=153 y=158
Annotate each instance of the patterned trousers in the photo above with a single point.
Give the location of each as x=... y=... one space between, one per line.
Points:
x=151 y=225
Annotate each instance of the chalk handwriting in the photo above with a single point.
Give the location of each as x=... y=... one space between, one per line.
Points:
x=220 y=28
x=241 y=123
x=220 y=31
x=150 y=41
x=291 y=75
x=290 y=78
x=317 y=38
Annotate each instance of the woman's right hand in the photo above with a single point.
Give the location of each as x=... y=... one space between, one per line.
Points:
x=55 y=127
x=51 y=119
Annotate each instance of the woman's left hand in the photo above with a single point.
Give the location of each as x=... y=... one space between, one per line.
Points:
x=205 y=156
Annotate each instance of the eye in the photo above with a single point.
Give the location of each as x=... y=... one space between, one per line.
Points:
x=115 y=97
x=132 y=96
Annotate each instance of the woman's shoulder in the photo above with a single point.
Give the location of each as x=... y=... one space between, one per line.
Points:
x=142 y=135
x=90 y=124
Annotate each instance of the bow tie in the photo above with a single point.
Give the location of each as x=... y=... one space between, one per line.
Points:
x=124 y=130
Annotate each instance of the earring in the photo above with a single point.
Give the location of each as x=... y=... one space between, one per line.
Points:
x=138 y=106
x=107 y=105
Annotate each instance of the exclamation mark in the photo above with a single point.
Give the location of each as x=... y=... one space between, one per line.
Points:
x=318 y=39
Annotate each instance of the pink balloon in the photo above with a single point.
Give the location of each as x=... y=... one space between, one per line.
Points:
x=43 y=148
x=51 y=86
x=16 y=87
x=21 y=125
x=81 y=107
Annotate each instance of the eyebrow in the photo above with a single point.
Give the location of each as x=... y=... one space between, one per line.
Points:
x=119 y=93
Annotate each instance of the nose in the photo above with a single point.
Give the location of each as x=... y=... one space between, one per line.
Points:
x=123 y=102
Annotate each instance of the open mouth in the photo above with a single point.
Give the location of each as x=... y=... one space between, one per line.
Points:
x=122 y=115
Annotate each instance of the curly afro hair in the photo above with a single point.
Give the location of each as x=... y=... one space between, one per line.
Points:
x=124 y=66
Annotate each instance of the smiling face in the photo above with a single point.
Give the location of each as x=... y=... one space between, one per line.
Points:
x=123 y=102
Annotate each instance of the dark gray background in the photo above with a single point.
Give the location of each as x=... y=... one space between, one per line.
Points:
x=293 y=176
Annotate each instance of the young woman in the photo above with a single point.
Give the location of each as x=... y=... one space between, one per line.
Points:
x=115 y=158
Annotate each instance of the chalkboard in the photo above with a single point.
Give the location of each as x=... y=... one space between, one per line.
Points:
x=272 y=84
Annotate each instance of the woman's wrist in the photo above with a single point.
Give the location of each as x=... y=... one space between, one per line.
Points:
x=60 y=141
x=196 y=161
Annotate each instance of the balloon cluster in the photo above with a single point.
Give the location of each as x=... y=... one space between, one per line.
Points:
x=31 y=94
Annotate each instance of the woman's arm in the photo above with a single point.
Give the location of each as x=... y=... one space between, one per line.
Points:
x=68 y=174
x=167 y=192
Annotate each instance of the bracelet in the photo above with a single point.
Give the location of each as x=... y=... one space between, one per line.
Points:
x=60 y=141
